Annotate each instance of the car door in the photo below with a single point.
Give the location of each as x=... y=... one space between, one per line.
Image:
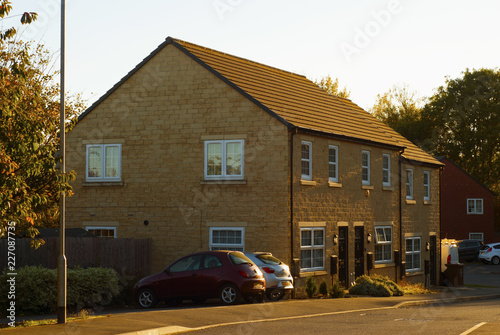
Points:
x=182 y=278
x=212 y=273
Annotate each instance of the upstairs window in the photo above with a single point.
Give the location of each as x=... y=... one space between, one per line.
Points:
x=224 y=159
x=409 y=184
x=306 y=160
x=333 y=167
x=386 y=170
x=427 y=186
x=474 y=206
x=365 y=167
x=103 y=162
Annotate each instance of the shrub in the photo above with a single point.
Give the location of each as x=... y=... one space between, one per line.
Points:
x=337 y=290
x=377 y=286
x=311 y=287
x=323 y=288
x=36 y=289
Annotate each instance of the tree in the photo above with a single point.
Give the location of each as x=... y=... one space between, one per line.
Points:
x=332 y=87
x=26 y=18
x=400 y=109
x=30 y=182
x=464 y=123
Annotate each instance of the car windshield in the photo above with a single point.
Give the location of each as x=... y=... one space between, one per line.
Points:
x=269 y=259
x=238 y=258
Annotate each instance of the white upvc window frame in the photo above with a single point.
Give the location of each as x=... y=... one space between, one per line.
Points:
x=315 y=247
x=409 y=184
x=383 y=240
x=92 y=229
x=412 y=253
x=427 y=186
x=333 y=163
x=224 y=174
x=365 y=168
x=216 y=245
x=386 y=170
x=473 y=236
x=306 y=160
x=104 y=166
x=474 y=209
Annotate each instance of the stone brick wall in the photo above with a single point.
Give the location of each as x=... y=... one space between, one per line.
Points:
x=162 y=115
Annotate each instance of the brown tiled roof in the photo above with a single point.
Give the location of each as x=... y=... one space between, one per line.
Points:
x=298 y=102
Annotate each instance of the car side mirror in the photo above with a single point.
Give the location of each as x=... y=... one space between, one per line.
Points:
x=167 y=271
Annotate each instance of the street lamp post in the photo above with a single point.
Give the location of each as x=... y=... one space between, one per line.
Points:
x=61 y=262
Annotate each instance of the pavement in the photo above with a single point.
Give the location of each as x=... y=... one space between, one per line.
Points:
x=190 y=317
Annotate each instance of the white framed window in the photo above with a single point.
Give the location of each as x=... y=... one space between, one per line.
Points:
x=224 y=159
x=103 y=162
x=365 y=167
x=427 y=186
x=333 y=163
x=227 y=238
x=105 y=232
x=386 y=170
x=474 y=206
x=476 y=236
x=383 y=244
x=306 y=160
x=312 y=249
x=409 y=184
x=413 y=254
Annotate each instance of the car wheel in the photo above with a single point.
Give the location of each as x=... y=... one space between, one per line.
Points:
x=229 y=294
x=275 y=295
x=495 y=260
x=147 y=298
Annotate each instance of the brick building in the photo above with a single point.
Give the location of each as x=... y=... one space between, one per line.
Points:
x=467 y=206
x=201 y=150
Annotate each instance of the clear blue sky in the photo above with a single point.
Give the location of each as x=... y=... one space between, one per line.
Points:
x=368 y=45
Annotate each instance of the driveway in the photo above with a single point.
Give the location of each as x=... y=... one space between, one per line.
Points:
x=480 y=274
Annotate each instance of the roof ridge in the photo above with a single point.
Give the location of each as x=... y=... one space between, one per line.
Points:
x=181 y=42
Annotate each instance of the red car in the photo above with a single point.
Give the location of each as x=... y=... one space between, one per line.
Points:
x=228 y=275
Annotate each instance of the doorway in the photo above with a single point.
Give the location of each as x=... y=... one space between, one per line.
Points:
x=359 y=251
x=343 y=261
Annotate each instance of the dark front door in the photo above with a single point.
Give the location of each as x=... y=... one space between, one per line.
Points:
x=433 y=259
x=343 y=268
x=359 y=250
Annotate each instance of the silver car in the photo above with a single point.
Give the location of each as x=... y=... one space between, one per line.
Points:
x=276 y=273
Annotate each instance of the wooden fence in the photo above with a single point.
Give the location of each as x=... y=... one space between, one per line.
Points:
x=127 y=256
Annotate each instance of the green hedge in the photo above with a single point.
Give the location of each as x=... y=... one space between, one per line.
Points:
x=36 y=289
x=377 y=286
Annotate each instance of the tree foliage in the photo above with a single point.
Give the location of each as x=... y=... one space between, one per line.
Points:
x=332 y=87
x=30 y=181
x=463 y=119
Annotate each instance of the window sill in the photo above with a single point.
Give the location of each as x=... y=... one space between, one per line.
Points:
x=384 y=265
x=304 y=274
x=427 y=202
x=388 y=188
x=414 y=273
x=307 y=182
x=334 y=184
x=223 y=182
x=367 y=187
x=411 y=202
x=102 y=183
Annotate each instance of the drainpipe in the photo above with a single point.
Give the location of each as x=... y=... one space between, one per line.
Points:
x=400 y=265
x=293 y=133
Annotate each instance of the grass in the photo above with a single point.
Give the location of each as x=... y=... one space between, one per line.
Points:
x=84 y=314
x=413 y=289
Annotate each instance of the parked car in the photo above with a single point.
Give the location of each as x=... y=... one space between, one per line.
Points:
x=276 y=273
x=468 y=250
x=490 y=253
x=228 y=275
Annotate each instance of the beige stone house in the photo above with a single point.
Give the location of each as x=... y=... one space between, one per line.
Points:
x=200 y=150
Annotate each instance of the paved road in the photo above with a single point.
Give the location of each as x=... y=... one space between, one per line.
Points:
x=481 y=274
